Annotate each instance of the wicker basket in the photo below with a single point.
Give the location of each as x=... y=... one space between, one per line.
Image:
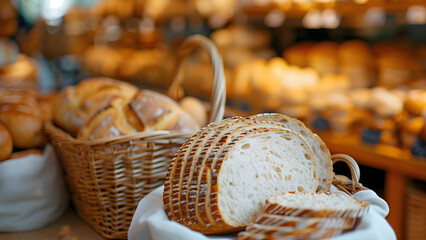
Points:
x=349 y=186
x=107 y=178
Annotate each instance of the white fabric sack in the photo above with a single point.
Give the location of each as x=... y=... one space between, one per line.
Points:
x=32 y=192
x=150 y=222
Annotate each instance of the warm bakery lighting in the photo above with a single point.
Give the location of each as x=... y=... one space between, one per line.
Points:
x=360 y=1
x=54 y=10
x=375 y=16
x=312 y=19
x=147 y=25
x=416 y=15
x=304 y=4
x=284 y=5
x=330 y=18
x=216 y=21
x=275 y=18
x=178 y=24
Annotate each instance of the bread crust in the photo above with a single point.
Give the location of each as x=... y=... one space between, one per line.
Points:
x=300 y=222
x=306 y=211
x=76 y=104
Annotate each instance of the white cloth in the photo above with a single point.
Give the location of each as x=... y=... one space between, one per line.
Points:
x=32 y=192
x=150 y=222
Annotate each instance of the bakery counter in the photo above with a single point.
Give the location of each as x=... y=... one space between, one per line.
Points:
x=399 y=165
x=69 y=227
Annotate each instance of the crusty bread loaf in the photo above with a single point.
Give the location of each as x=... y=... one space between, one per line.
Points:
x=317 y=205
x=202 y=189
x=320 y=150
x=22 y=115
x=6 y=146
x=76 y=104
x=147 y=111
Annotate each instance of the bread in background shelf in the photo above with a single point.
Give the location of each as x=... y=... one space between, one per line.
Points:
x=356 y=62
x=323 y=58
x=414 y=105
x=297 y=54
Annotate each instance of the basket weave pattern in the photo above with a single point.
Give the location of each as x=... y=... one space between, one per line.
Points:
x=108 y=177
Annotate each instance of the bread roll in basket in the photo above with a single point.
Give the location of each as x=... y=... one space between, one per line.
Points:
x=108 y=176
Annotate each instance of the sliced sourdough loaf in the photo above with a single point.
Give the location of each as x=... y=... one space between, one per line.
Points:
x=222 y=141
x=246 y=168
x=300 y=222
x=322 y=204
x=316 y=233
x=321 y=152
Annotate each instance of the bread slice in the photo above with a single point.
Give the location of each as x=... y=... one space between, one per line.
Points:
x=321 y=152
x=247 y=173
x=262 y=232
x=319 y=233
x=334 y=205
x=301 y=223
x=210 y=159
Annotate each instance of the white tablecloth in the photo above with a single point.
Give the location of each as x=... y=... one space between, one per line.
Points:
x=32 y=192
x=151 y=223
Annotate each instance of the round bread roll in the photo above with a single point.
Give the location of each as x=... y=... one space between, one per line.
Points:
x=354 y=52
x=6 y=146
x=297 y=54
x=21 y=114
x=323 y=57
x=76 y=104
x=147 y=111
x=415 y=102
x=195 y=108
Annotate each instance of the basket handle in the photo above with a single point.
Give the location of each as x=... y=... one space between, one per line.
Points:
x=342 y=182
x=218 y=94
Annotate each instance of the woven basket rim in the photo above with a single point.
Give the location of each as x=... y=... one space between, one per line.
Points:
x=58 y=133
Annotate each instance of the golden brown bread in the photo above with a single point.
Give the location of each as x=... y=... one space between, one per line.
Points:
x=22 y=115
x=6 y=146
x=76 y=104
x=415 y=102
x=195 y=108
x=147 y=111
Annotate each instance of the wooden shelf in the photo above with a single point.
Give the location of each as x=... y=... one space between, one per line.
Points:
x=382 y=157
x=399 y=165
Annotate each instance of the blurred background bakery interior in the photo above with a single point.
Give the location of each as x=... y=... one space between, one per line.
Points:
x=353 y=70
